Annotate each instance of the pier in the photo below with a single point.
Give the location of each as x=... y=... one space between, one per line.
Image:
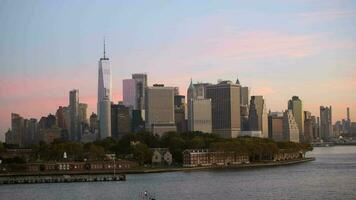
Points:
x=60 y=179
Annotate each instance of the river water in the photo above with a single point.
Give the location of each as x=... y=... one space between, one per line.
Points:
x=331 y=176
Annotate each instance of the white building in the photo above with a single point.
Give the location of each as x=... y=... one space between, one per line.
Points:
x=161 y=156
x=104 y=80
x=200 y=115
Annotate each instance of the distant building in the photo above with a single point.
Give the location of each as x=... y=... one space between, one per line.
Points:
x=251 y=133
x=206 y=157
x=120 y=120
x=130 y=98
x=74 y=131
x=137 y=123
x=16 y=135
x=83 y=117
x=308 y=127
x=141 y=84
x=353 y=128
x=326 y=123
x=258 y=117
x=160 y=109
x=200 y=117
x=200 y=90
x=161 y=156
x=105 y=118
x=290 y=127
x=275 y=126
x=31 y=132
x=296 y=105
x=180 y=113
x=104 y=81
x=225 y=101
x=94 y=123
x=61 y=121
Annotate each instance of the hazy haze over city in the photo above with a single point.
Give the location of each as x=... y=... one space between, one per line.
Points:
x=278 y=48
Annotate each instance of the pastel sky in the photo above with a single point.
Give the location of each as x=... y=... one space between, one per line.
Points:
x=279 y=48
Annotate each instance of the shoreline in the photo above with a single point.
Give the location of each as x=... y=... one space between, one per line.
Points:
x=241 y=166
x=163 y=170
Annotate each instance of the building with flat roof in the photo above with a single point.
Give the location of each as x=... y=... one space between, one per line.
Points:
x=160 y=109
x=225 y=104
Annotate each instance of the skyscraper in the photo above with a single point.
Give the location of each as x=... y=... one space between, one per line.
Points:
x=104 y=97
x=296 y=105
x=180 y=113
x=225 y=103
x=104 y=80
x=160 y=109
x=200 y=118
x=141 y=84
x=120 y=120
x=200 y=90
x=258 y=116
x=105 y=118
x=290 y=127
x=129 y=93
x=74 y=133
x=326 y=123
x=16 y=135
x=275 y=126
x=308 y=126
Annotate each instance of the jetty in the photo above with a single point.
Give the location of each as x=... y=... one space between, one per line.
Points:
x=14 y=179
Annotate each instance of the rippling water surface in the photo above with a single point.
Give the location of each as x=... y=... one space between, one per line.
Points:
x=331 y=176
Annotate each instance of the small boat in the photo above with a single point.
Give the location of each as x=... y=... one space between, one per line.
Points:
x=147 y=196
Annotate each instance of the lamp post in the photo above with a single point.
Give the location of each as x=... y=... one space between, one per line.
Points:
x=114 y=156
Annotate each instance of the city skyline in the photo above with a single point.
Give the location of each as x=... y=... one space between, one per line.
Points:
x=37 y=72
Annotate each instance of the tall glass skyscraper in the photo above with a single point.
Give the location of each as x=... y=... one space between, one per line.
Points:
x=104 y=83
x=104 y=96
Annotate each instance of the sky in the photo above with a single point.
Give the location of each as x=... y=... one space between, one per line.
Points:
x=279 y=48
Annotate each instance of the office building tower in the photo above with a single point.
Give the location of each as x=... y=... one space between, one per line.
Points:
x=129 y=87
x=290 y=127
x=83 y=118
x=200 y=118
x=160 y=109
x=296 y=105
x=104 y=80
x=180 y=113
x=31 y=132
x=275 y=126
x=258 y=117
x=200 y=90
x=74 y=133
x=137 y=123
x=347 y=126
x=120 y=120
x=245 y=96
x=60 y=115
x=94 y=123
x=326 y=123
x=308 y=127
x=225 y=101
x=105 y=118
x=15 y=136
x=141 y=84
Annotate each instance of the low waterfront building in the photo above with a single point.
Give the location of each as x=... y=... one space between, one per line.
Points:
x=251 y=133
x=205 y=157
x=161 y=156
x=80 y=166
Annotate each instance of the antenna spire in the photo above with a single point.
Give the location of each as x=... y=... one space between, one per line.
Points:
x=104 y=47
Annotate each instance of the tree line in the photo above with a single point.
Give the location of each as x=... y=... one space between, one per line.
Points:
x=137 y=147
